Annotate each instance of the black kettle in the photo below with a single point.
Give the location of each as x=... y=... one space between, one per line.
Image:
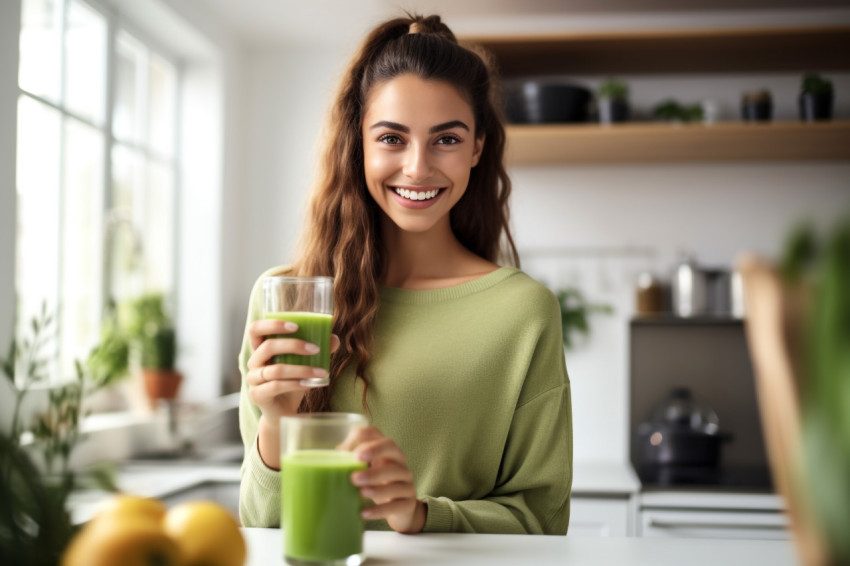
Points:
x=681 y=432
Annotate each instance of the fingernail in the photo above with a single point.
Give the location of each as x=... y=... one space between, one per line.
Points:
x=290 y=327
x=358 y=479
x=367 y=492
x=366 y=514
x=311 y=348
x=319 y=372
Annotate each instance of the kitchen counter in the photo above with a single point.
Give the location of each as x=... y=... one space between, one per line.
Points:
x=593 y=478
x=265 y=548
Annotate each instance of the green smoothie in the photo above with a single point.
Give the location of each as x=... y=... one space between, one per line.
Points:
x=313 y=327
x=320 y=511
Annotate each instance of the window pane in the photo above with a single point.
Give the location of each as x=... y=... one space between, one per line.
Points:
x=37 y=238
x=85 y=55
x=163 y=90
x=81 y=242
x=40 y=57
x=125 y=250
x=128 y=115
x=159 y=227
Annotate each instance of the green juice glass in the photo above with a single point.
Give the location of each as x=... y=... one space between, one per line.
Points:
x=308 y=302
x=320 y=507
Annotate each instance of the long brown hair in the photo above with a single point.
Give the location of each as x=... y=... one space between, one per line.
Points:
x=342 y=236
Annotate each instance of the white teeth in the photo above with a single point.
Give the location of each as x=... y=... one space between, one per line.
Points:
x=417 y=195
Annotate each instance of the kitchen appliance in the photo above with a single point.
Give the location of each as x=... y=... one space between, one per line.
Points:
x=681 y=433
x=538 y=102
x=698 y=291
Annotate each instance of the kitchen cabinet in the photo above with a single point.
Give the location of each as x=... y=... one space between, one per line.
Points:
x=717 y=51
x=712 y=515
x=601 y=516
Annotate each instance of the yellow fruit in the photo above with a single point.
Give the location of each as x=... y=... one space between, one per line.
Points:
x=206 y=533
x=122 y=540
x=133 y=505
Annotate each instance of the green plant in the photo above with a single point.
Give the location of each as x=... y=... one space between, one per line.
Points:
x=35 y=526
x=671 y=110
x=109 y=361
x=150 y=326
x=613 y=89
x=819 y=266
x=815 y=84
x=575 y=311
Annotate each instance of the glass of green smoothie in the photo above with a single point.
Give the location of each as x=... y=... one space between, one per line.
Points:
x=308 y=302
x=320 y=507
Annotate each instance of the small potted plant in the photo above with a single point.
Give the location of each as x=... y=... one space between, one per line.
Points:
x=757 y=106
x=672 y=111
x=815 y=98
x=612 y=100
x=153 y=334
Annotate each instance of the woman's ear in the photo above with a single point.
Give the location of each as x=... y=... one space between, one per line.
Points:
x=479 y=148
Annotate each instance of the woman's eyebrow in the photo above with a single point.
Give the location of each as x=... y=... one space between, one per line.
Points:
x=406 y=130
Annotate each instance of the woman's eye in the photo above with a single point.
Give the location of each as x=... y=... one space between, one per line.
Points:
x=390 y=139
x=448 y=140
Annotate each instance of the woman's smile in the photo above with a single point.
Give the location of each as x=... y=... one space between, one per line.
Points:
x=416 y=197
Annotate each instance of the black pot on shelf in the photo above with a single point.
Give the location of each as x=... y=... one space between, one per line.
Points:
x=757 y=106
x=536 y=102
x=815 y=106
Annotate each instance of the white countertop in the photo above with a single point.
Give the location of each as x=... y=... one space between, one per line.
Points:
x=595 y=478
x=265 y=548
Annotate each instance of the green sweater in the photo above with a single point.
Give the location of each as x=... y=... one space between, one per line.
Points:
x=470 y=382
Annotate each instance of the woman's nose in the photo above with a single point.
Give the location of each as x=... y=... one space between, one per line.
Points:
x=417 y=163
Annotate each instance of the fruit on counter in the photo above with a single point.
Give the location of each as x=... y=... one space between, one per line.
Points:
x=124 y=540
x=138 y=531
x=133 y=505
x=206 y=534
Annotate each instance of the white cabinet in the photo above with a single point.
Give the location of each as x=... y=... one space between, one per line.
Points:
x=718 y=516
x=600 y=517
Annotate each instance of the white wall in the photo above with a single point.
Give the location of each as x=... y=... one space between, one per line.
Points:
x=712 y=210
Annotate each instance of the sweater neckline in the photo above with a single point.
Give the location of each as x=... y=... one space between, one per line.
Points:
x=433 y=296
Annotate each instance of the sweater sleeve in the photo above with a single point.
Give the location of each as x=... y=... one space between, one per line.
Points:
x=535 y=478
x=259 y=489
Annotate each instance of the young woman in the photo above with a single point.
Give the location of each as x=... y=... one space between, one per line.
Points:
x=457 y=361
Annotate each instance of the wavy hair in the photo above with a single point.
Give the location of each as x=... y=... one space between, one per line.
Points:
x=342 y=236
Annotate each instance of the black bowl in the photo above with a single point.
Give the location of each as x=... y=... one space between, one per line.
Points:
x=535 y=102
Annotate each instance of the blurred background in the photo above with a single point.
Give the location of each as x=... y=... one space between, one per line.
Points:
x=167 y=146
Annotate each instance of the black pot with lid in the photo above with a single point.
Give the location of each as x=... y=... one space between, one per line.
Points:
x=681 y=432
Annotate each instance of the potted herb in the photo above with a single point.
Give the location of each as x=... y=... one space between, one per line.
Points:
x=798 y=330
x=612 y=100
x=672 y=111
x=815 y=98
x=757 y=106
x=152 y=331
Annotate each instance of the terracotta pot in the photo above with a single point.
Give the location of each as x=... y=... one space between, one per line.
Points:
x=161 y=384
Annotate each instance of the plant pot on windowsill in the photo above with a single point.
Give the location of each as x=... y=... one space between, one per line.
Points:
x=162 y=380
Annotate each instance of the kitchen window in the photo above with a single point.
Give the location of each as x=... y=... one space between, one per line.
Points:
x=96 y=169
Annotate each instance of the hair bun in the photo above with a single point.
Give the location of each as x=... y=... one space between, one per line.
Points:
x=431 y=25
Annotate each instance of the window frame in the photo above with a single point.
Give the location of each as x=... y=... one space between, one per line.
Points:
x=115 y=22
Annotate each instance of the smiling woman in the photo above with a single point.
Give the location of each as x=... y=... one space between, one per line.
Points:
x=456 y=360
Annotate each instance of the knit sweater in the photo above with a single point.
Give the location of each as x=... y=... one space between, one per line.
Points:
x=470 y=382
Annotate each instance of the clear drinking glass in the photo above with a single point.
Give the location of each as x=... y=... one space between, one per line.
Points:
x=320 y=507
x=308 y=302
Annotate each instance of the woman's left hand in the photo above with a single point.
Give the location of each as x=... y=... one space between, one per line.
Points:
x=387 y=481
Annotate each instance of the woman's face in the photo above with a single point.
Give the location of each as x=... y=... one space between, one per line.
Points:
x=419 y=147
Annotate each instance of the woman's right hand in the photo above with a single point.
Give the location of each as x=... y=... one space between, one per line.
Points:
x=275 y=388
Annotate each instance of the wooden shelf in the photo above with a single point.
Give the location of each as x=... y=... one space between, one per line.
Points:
x=636 y=142
x=789 y=49
x=673 y=320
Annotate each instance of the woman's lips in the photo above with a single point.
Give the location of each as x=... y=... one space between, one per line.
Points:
x=416 y=198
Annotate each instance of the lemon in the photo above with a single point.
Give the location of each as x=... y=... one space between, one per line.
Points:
x=133 y=505
x=206 y=533
x=123 y=540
